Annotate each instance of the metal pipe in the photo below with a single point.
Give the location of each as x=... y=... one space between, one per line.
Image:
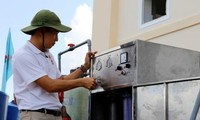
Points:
x=71 y=49
x=165 y=95
x=196 y=107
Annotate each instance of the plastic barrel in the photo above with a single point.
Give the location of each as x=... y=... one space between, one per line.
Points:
x=13 y=112
x=3 y=105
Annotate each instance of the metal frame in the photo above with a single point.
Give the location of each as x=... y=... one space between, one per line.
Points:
x=165 y=94
x=71 y=49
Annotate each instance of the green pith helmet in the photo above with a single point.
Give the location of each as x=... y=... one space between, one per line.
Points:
x=45 y=18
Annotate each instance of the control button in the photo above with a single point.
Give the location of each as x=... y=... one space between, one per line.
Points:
x=123 y=72
x=119 y=68
x=128 y=66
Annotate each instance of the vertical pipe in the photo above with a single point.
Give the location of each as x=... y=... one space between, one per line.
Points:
x=127 y=107
x=59 y=62
x=113 y=110
x=165 y=95
x=89 y=49
x=196 y=107
x=130 y=107
x=134 y=103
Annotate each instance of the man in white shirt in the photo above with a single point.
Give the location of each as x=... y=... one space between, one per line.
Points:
x=37 y=79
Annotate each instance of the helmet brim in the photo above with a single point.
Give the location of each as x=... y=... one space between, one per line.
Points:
x=60 y=28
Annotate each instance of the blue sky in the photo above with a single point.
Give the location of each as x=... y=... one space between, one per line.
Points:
x=75 y=13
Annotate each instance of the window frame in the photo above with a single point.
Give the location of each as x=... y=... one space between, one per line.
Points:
x=152 y=22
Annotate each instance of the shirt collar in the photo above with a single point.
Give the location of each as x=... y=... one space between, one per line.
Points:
x=34 y=49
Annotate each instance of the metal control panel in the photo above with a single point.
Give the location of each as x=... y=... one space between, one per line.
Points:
x=116 y=68
x=140 y=62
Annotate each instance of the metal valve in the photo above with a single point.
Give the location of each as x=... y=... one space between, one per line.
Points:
x=99 y=80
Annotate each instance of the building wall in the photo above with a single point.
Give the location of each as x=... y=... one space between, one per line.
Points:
x=105 y=24
x=188 y=38
x=117 y=22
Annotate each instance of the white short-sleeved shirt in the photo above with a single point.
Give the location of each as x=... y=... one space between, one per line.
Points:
x=29 y=64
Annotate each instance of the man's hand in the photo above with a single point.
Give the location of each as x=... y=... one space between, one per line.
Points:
x=89 y=83
x=88 y=57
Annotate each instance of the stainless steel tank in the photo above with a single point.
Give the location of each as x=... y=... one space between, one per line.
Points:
x=140 y=80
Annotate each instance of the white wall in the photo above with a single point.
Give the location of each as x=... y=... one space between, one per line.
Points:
x=117 y=22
